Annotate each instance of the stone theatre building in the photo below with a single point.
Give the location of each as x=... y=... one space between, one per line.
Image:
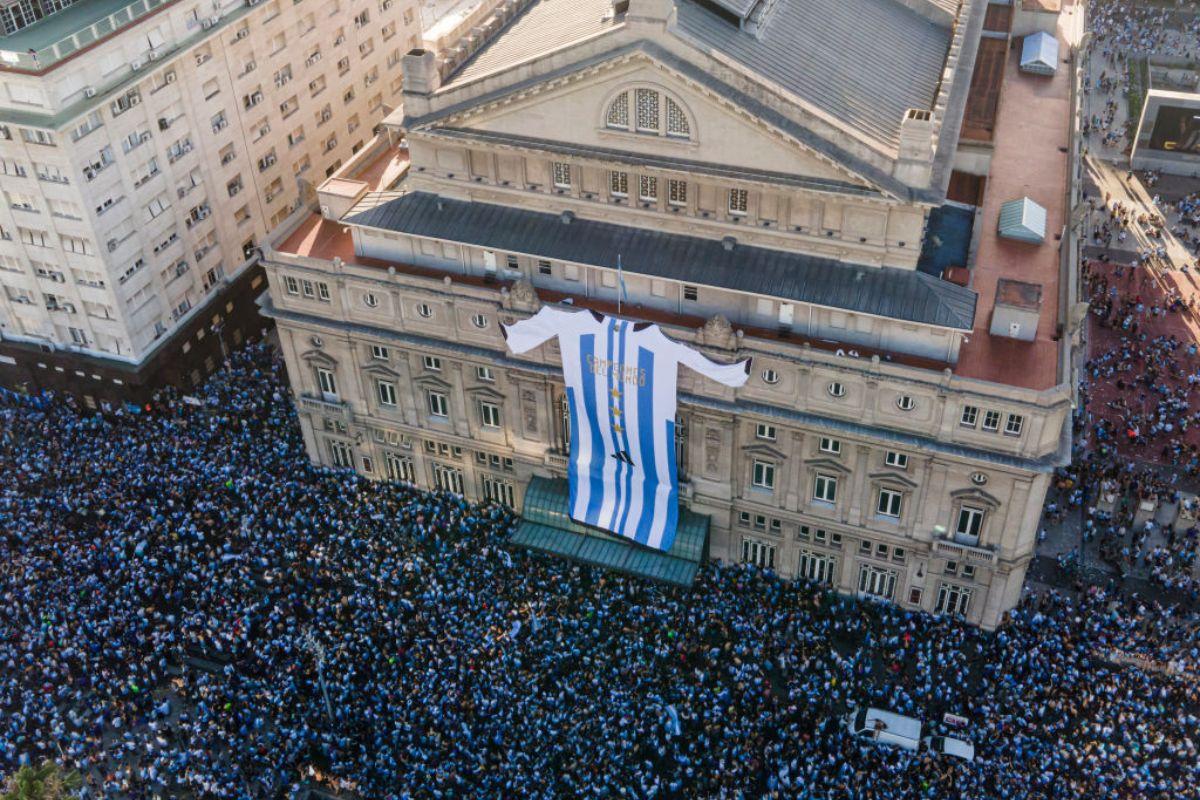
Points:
x=765 y=171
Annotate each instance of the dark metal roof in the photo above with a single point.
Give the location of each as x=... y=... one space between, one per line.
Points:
x=900 y=294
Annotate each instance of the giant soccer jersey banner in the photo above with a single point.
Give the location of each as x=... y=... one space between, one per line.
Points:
x=621 y=386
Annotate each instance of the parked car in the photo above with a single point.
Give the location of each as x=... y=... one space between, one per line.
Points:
x=949 y=746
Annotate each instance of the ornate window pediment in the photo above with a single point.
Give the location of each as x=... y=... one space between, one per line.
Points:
x=648 y=111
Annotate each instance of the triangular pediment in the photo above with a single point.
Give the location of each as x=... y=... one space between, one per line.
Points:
x=697 y=126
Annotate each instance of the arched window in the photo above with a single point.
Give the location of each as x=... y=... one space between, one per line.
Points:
x=647 y=115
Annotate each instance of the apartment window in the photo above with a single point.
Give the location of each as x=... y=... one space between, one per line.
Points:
x=479 y=321
x=648 y=188
x=400 y=468
x=764 y=431
x=691 y=293
x=386 y=392
x=952 y=600
x=897 y=460
x=370 y=300
x=1014 y=424
x=677 y=192
x=836 y=390
x=970 y=523
x=825 y=489
x=327 y=383
x=889 y=503
x=489 y=414
x=828 y=445
x=439 y=405
x=380 y=353
x=323 y=292
x=562 y=175
x=968 y=571
x=991 y=421
x=970 y=415
x=424 y=310
x=760 y=554
x=738 y=200
x=619 y=183
x=485 y=374
x=877 y=582
x=951 y=568
x=432 y=363
x=545 y=268
x=898 y=554
x=763 y=475
x=342 y=457
x=770 y=377
x=512 y=263
x=906 y=402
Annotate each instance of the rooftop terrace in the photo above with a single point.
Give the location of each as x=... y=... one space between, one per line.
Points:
x=67 y=32
x=1026 y=162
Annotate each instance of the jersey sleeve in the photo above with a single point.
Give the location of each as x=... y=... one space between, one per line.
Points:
x=527 y=334
x=735 y=374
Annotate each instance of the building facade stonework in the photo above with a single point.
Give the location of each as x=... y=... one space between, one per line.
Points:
x=869 y=450
x=146 y=156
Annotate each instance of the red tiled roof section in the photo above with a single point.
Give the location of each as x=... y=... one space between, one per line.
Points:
x=1027 y=163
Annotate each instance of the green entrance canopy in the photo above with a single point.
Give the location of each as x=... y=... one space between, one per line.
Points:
x=547 y=526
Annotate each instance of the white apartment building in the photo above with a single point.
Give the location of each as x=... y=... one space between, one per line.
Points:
x=148 y=148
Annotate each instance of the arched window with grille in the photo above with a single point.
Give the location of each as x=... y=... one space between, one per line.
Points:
x=650 y=112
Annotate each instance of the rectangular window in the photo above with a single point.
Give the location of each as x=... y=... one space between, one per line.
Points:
x=489 y=414
x=817 y=568
x=760 y=554
x=648 y=188
x=970 y=524
x=764 y=431
x=380 y=353
x=387 y=393
x=677 y=192
x=828 y=445
x=545 y=268
x=897 y=460
x=400 y=468
x=991 y=421
x=889 y=503
x=432 y=363
x=952 y=600
x=290 y=285
x=970 y=415
x=498 y=491
x=323 y=292
x=327 y=383
x=439 y=405
x=738 y=201
x=342 y=457
x=764 y=474
x=877 y=582
x=825 y=489
x=485 y=374
x=1014 y=424
x=619 y=183
x=447 y=479
x=562 y=175
x=691 y=293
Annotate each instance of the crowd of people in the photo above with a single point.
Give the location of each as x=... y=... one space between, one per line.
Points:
x=191 y=609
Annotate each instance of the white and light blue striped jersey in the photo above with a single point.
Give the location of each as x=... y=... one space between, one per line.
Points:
x=621 y=381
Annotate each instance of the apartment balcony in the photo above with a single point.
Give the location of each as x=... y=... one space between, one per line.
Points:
x=966 y=553
x=326 y=408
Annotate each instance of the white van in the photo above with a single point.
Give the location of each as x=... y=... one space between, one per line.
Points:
x=884 y=727
x=949 y=746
